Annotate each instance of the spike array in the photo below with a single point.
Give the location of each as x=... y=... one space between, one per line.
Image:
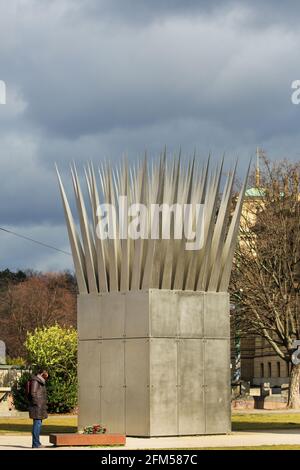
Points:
x=122 y=264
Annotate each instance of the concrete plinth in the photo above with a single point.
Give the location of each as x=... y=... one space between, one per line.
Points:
x=155 y=362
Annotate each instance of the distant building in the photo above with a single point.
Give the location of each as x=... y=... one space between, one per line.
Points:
x=259 y=363
x=254 y=358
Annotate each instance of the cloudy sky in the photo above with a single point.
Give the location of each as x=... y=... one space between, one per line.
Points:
x=94 y=79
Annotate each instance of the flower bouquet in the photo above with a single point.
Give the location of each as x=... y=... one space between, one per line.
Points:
x=94 y=429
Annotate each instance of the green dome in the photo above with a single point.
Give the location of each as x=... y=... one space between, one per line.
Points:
x=254 y=192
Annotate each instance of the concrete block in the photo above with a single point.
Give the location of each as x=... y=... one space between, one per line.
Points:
x=216 y=315
x=89 y=383
x=137 y=389
x=163 y=387
x=137 y=314
x=191 y=413
x=190 y=312
x=113 y=315
x=112 y=380
x=217 y=386
x=161 y=366
x=88 y=316
x=163 y=313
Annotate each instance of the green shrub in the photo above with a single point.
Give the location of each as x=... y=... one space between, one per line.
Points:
x=62 y=393
x=55 y=349
x=16 y=361
x=19 y=393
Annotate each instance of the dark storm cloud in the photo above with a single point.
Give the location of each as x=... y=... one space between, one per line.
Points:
x=144 y=11
x=133 y=79
x=96 y=79
x=261 y=12
x=86 y=78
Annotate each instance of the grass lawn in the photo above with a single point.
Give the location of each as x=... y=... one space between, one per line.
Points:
x=264 y=422
x=50 y=425
x=280 y=447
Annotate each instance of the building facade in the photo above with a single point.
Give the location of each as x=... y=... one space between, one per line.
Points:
x=258 y=363
x=252 y=358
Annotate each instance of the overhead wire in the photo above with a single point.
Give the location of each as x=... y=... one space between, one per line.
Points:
x=46 y=245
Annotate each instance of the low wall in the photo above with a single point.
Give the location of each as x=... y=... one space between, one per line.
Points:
x=8 y=374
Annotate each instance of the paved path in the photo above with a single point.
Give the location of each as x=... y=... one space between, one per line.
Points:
x=258 y=438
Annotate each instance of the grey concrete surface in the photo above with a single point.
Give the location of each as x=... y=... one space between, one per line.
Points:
x=155 y=362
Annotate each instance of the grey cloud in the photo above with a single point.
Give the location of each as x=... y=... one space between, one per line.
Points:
x=93 y=80
x=126 y=78
x=22 y=254
x=261 y=12
x=145 y=11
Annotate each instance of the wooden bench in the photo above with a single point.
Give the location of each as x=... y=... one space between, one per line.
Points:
x=87 y=439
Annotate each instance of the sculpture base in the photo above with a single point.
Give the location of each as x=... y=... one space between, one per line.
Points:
x=65 y=440
x=155 y=362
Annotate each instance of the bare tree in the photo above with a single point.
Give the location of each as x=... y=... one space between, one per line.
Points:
x=40 y=300
x=266 y=274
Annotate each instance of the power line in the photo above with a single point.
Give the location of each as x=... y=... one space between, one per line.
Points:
x=34 y=241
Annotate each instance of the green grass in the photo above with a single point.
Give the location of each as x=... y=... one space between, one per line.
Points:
x=279 y=447
x=265 y=422
x=54 y=424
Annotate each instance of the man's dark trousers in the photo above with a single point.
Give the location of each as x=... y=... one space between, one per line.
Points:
x=36 y=430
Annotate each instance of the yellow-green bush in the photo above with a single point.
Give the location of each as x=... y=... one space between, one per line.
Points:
x=55 y=349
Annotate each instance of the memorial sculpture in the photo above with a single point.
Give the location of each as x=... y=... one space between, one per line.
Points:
x=153 y=256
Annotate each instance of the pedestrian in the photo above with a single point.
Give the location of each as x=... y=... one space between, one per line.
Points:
x=38 y=405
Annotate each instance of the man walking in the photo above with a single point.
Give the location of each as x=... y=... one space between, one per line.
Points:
x=38 y=405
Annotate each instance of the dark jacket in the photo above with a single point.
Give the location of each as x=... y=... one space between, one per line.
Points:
x=37 y=399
